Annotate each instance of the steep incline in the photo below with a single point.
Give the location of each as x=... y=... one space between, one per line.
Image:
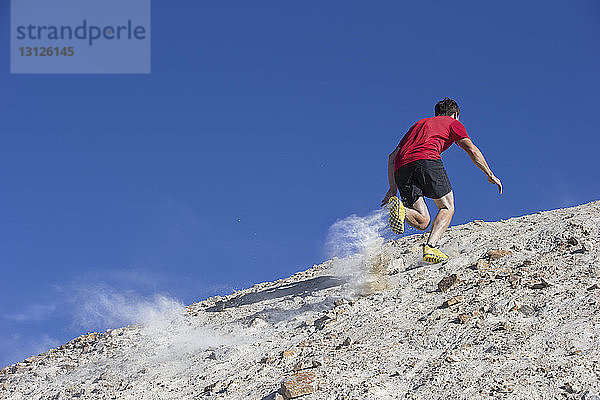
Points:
x=521 y=321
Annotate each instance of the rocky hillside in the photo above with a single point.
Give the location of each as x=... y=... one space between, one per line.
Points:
x=515 y=313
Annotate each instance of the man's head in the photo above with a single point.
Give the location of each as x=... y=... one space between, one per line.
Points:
x=447 y=107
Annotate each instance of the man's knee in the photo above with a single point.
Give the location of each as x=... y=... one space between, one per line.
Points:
x=424 y=224
x=421 y=223
x=447 y=207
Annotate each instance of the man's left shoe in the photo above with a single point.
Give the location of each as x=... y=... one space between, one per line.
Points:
x=397 y=215
x=433 y=255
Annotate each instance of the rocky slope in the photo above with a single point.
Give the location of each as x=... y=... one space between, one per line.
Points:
x=515 y=313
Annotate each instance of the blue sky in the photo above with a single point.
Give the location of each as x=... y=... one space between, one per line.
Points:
x=262 y=124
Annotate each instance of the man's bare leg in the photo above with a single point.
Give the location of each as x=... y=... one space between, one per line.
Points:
x=417 y=215
x=442 y=220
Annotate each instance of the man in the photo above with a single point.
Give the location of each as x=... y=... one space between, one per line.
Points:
x=415 y=169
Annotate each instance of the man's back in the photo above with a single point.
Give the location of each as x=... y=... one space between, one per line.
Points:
x=428 y=138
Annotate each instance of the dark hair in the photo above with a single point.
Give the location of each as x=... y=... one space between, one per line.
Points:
x=446 y=107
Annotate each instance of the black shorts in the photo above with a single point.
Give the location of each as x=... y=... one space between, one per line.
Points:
x=422 y=178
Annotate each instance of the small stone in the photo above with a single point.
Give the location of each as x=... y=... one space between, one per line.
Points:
x=452 y=301
x=258 y=322
x=452 y=358
x=572 y=387
x=542 y=284
x=514 y=280
x=447 y=282
x=307 y=364
x=526 y=310
x=322 y=322
x=101 y=377
x=31 y=359
x=504 y=388
x=214 y=387
x=463 y=318
x=300 y=366
x=232 y=385
x=345 y=343
x=299 y=384
x=288 y=353
x=338 y=302
x=502 y=326
x=497 y=254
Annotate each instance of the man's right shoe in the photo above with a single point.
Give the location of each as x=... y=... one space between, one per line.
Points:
x=397 y=215
x=433 y=255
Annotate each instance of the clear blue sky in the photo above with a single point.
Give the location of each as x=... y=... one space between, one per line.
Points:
x=261 y=124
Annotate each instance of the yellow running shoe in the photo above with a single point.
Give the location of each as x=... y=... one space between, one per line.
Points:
x=397 y=214
x=433 y=255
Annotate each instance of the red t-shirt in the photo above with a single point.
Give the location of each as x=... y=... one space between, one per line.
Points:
x=428 y=138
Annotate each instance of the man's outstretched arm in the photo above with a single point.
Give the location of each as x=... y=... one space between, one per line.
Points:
x=477 y=157
x=392 y=181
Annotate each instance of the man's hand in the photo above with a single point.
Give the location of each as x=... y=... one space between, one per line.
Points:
x=391 y=193
x=495 y=181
